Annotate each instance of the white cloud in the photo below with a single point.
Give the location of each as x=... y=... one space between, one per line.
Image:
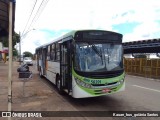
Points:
x=146 y=30
x=32 y=40
x=90 y=14
x=147 y=14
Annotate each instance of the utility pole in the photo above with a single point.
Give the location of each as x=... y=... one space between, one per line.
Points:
x=20 y=49
x=10 y=58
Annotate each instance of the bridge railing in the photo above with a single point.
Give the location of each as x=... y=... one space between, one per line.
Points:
x=144 y=67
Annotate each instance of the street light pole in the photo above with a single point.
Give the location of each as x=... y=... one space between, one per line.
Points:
x=20 y=48
x=20 y=43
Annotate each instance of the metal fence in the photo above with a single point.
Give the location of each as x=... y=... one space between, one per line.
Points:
x=144 y=67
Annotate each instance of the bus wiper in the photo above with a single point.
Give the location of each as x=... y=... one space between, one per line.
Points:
x=97 y=51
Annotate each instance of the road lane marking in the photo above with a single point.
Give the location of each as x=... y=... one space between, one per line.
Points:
x=146 y=88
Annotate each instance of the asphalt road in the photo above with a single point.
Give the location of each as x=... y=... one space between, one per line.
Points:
x=141 y=94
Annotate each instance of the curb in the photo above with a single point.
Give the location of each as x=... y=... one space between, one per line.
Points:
x=151 y=79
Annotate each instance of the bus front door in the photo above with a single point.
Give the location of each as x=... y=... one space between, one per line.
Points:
x=65 y=66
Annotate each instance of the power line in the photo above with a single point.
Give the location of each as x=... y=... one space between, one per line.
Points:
x=39 y=11
x=30 y=16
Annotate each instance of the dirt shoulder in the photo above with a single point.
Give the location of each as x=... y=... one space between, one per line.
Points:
x=37 y=96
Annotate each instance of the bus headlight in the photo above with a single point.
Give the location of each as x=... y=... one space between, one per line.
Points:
x=83 y=84
x=121 y=81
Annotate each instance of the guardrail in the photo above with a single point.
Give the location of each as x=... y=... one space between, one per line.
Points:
x=144 y=67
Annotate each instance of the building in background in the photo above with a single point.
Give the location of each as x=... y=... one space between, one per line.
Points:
x=3 y=52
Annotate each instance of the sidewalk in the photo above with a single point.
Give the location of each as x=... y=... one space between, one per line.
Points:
x=37 y=95
x=3 y=86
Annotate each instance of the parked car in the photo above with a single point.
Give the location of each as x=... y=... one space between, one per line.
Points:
x=28 y=61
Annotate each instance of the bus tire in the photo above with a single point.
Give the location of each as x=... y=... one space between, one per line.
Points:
x=58 y=85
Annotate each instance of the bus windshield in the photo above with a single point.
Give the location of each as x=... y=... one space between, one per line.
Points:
x=93 y=57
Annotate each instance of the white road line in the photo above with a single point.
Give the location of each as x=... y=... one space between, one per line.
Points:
x=146 y=88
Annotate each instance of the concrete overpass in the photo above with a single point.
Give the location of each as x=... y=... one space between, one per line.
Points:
x=142 y=46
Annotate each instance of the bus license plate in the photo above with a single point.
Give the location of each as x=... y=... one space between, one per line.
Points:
x=106 y=90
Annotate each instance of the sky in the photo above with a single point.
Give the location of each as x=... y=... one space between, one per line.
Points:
x=135 y=19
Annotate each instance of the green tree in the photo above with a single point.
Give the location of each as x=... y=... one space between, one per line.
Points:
x=16 y=39
x=15 y=52
x=27 y=54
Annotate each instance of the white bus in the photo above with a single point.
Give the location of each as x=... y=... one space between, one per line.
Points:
x=84 y=63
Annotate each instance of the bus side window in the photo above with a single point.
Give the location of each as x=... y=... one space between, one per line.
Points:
x=52 y=54
x=57 y=52
x=48 y=53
